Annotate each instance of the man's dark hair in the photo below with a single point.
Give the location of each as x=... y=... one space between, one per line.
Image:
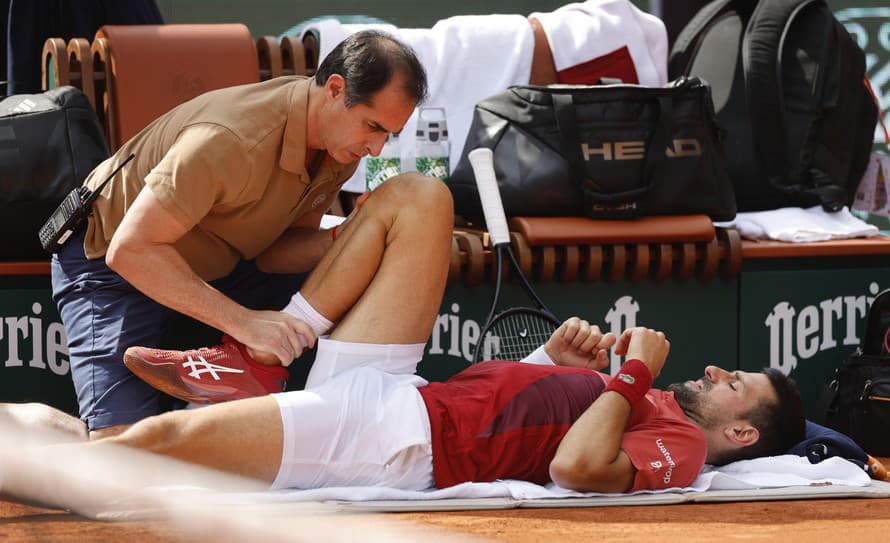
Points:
x=368 y=60
x=781 y=423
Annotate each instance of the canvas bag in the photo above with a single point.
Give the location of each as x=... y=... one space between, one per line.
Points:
x=604 y=151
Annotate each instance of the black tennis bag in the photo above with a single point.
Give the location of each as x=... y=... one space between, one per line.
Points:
x=787 y=82
x=860 y=406
x=49 y=142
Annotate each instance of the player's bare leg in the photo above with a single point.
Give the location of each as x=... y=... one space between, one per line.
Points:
x=383 y=280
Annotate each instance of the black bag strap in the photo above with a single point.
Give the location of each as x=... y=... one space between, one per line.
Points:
x=566 y=120
x=761 y=56
x=687 y=41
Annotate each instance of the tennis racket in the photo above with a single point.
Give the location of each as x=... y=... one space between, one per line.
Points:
x=510 y=333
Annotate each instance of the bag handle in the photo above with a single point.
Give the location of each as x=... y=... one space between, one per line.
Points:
x=563 y=106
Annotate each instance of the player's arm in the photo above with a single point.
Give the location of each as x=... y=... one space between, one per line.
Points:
x=589 y=458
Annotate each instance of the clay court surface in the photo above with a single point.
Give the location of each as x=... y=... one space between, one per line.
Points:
x=831 y=521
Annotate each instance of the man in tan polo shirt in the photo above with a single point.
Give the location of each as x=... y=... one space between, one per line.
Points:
x=224 y=189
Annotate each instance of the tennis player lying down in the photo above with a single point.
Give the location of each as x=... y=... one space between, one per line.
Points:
x=367 y=419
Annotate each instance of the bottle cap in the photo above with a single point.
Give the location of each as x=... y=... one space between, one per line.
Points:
x=431 y=124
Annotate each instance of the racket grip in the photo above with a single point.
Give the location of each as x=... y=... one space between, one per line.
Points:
x=482 y=160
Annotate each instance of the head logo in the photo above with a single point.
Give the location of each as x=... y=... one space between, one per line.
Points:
x=636 y=150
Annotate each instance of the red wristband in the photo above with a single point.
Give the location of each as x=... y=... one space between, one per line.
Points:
x=334 y=233
x=632 y=381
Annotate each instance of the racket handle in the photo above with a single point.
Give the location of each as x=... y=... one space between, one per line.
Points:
x=482 y=160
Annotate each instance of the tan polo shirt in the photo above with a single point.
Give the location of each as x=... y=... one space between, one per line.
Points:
x=229 y=166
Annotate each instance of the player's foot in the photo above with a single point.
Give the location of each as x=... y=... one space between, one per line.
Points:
x=207 y=375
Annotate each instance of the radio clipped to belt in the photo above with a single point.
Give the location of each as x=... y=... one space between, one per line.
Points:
x=72 y=212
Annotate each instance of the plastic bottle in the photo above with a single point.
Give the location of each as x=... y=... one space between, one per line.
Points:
x=433 y=148
x=385 y=165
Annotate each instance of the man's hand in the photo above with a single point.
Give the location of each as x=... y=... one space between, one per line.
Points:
x=645 y=344
x=579 y=344
x=274 y=335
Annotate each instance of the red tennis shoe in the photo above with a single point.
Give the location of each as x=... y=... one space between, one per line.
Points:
x=207 y=375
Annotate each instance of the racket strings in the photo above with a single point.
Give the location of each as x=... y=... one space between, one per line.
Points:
x=516 y=335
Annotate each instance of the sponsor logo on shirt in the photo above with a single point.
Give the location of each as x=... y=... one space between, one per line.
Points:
x=656 y=465
x=670 y=461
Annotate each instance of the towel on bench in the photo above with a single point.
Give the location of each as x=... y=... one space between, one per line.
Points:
x=800 y=225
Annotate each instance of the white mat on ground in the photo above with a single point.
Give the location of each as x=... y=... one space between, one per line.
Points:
x=800 y=225
x=786 y=477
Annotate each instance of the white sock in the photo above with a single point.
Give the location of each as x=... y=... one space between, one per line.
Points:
x=301 y=309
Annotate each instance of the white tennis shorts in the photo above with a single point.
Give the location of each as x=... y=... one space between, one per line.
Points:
x=361 y=427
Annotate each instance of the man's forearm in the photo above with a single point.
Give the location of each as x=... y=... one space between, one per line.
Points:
x=589 y=458
x=160 y=272
x=298 y=250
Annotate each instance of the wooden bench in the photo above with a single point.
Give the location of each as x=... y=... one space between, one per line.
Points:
x=569 y=249
x=133 y=74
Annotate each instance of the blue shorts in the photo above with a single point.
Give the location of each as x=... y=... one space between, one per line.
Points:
x=103 y=315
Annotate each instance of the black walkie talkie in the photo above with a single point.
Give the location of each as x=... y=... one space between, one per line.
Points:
x=71 y=213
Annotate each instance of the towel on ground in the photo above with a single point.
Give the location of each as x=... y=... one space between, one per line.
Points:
x=768 y=472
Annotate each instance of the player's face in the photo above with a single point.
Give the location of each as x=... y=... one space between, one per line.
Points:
x=360 y=130
x=722 y=396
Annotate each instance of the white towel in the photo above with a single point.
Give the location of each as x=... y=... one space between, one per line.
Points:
x=583 y=31
x=799 y=225
x=762 y=478
x=467 y=59
x=768 y=472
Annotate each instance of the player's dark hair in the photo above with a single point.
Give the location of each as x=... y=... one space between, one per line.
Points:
x=781 y=423
x=368 y=60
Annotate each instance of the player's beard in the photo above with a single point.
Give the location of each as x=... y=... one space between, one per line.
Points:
x=693 y=402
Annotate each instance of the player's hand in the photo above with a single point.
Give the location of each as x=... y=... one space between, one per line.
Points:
x=579 y=344
x=271 y=335
x=645 y=344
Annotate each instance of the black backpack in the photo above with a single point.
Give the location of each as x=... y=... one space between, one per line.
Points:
x=860 y=403
x=787 y=82
x=49 y=143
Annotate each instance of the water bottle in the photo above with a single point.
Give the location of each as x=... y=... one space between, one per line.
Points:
x=385 y=165
x=433 y=148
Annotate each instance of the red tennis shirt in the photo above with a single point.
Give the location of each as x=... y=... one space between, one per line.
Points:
x=505 y=420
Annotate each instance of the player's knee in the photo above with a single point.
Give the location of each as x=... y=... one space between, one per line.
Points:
x=416 y=191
